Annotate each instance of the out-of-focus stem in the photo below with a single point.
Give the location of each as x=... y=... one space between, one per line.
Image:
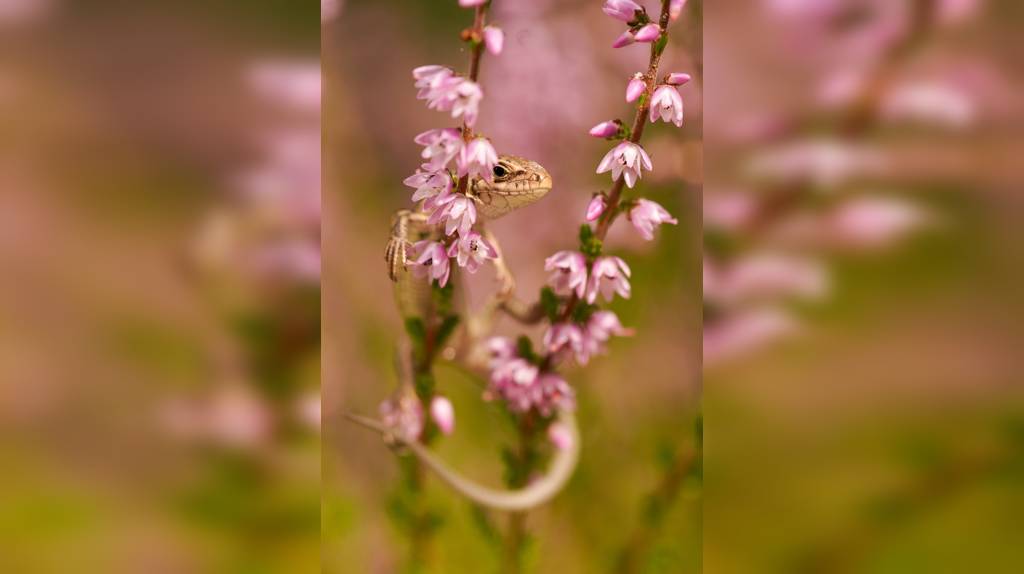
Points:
x=515 y=538
x=664 y=496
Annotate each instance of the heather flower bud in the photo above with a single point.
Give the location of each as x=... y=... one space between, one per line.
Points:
x=635 y=87
x=605 y=129
x=443 y=414
x=677 y=79
x=624 y=10
x=648 y=33
x=471 y=3
x=596 y=207
x=625 y=39
x=560 y=436
x=494 y=39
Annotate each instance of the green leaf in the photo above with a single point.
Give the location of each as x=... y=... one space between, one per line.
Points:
x=660 y=43
x=524 y=347
x=550 y=303
x=586 y=233
x=446 y=329
x=424 y=384
x=416 y=329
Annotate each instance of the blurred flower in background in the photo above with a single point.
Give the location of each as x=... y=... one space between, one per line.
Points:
x=858 y=369
x=159 y=387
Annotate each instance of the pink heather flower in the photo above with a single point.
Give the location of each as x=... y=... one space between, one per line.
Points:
x=467 y=101
x=296 y=84
x=433 y=187
x=675 y=9
x=646 y=215
x=768 y=276
x=451 y=93
x=564 y=336
x=677 y=79
x=471 y=250
x=440 y=147
x=296 y=258
x=624 y=40
x=609 y=275
x=443 y=414
x=429 y=78
x=729 y=211
x=624 y=10
x=605 y=129
x=501 y=349
x=516 y=370
x=494 y=39
x=603 y=324
x=746 y=332
x=560 y=436
x=635 y=87
x=431 y=261
x=599 y=329
x=570 y=272
x=457 y=211
x=627 y=160
x=667 y=104
x=823 y=162
x=404 y=416
x=648 y=33
x=596 y=207
x=873 y=222
x=471 y=3
x=523 y=388
x=478 y=158
x=929 y=104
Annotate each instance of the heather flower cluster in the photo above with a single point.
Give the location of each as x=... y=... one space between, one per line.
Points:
x=521 y=383
x=581 y=280
x=451 y=157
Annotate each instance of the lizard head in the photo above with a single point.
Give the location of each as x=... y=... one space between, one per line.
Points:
x=517 y=182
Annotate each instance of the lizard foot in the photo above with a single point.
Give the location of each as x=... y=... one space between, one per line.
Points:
x=395 y=255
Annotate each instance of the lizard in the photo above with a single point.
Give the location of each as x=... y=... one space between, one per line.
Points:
x=517 y=182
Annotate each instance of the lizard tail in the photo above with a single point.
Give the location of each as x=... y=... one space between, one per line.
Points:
x=535 y=494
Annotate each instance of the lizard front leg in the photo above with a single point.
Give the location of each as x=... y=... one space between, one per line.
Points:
x=505 y=278
x=396 y=253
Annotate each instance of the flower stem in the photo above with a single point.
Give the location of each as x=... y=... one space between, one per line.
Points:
x=639 y=122
x=614 y=196
x=476 y=52
x=523 y=466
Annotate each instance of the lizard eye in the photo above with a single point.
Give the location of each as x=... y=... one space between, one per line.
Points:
x=500 y=171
